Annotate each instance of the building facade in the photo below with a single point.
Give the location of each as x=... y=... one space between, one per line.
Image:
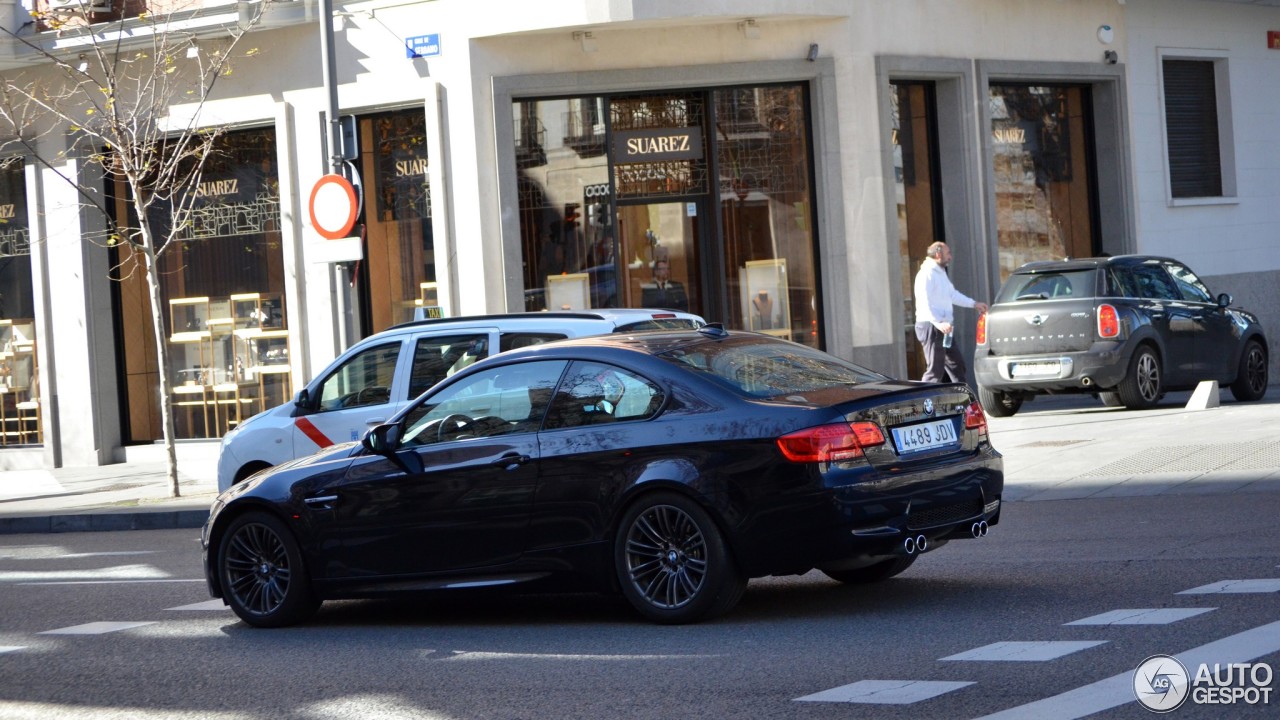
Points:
x=780 y=169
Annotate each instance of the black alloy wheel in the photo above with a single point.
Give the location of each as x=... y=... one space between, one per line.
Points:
x=1141 y=387
x=262 y=573
x=882 y=570
x=672 y=562
x=1251 y=378
x=999 y=404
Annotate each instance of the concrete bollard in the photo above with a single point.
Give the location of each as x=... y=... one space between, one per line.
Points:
x=1205 y=396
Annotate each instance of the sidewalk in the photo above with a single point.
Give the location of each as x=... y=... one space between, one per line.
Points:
x=1055 y=448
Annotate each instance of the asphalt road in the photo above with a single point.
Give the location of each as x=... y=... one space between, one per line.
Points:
x=1049 y=563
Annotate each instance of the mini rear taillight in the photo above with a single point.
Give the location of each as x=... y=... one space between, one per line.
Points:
x=975 y=419
x=980 y=337
x=1108 y=321
x=663 y=316
x=830 y=443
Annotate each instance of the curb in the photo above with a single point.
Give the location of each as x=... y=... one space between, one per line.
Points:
x=102 y=522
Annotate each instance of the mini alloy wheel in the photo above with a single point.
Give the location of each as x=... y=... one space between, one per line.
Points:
x=263 y=578
x=1142 y=387
x=672 y=561
x=1251 y=378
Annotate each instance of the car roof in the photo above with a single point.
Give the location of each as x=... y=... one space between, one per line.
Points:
x=649 y=342
x=1040 y=266
x=604 y=318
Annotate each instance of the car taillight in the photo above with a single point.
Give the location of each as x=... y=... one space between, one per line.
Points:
x=980 y=337
x=830 y=443
x=1108 y=321
x=975 y=419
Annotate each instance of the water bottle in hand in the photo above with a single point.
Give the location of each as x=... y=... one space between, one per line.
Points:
x=946 y=340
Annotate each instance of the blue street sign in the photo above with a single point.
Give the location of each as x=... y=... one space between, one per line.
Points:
x=422 y=46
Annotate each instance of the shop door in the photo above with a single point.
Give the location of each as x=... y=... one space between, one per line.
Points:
x=658 y=261
x=919 y=197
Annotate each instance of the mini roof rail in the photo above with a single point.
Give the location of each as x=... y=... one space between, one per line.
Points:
x=714 y=330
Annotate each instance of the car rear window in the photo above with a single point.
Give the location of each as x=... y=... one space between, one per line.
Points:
x=766 y=368
x=1048 y=285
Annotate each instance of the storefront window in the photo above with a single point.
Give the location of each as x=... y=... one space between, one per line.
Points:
x=20 y=417
x=399 y=268
x=1044 y=187
x=620 y=206
x=765 y=206
x=222 y=286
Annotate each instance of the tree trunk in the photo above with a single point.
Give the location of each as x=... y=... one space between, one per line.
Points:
x=157 y=328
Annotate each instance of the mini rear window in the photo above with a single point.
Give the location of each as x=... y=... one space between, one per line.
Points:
x=1048 y=285
x=770 y=368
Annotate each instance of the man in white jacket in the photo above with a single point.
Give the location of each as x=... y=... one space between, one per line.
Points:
x=935 y=316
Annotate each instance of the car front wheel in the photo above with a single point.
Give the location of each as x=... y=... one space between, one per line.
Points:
x=262 y=573
x=1141 y=387
x=1251 y=378
x=999 y=404
x=672 y=562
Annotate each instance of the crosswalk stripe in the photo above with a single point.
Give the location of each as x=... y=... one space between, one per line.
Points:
x=885 y=692
x=1117 y=690
x=1145 y=616
x=1037 y=651
x=96 y=628
x=1257 y=585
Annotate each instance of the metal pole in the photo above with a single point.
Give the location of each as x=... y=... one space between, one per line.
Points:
x=330 y=86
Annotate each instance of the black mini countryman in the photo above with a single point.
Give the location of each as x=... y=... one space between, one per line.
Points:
x=1127 y=329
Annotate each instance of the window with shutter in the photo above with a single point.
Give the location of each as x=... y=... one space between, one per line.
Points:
x=1191 y=128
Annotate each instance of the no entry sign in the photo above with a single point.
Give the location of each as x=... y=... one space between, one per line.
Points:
x=333 y=207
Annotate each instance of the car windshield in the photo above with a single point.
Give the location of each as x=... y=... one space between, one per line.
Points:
x=1048 y=285
x=765 y=368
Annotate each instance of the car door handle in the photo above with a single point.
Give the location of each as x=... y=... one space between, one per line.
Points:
x=375 y=421
x=323 y=502
x=511 y=461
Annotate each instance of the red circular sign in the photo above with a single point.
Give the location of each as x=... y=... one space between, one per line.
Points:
x=333 y=207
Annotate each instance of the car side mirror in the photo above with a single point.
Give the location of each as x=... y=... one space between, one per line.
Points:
x=383 y=439
x=1224 y=300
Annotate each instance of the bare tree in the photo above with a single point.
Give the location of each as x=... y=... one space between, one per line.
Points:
x=114 y=95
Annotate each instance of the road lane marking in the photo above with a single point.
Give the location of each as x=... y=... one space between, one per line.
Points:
x=96 y=628
x=1037 y=651
x=1258 y=585
x=1145 y=616
x=11 y=648
x=117 y=572
x=214 y=604
x=116 y=582
x=885 y=692
x=1117 y=690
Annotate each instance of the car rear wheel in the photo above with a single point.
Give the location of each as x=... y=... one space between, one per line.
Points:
x=882 y=570
x=1111 y=399
x=263 y=577
x=999 y=404
x=1141 y=387
x=673 y=563
x=1251 y=378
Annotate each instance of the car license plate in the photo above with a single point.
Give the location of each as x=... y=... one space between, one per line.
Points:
x=1035 y=369
x=924 y=436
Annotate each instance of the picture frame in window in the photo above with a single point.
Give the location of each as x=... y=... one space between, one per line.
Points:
x=571 y=291
x=765 y=297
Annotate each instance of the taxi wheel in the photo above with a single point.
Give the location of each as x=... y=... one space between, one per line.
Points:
x=263 y=577
x=882 y=570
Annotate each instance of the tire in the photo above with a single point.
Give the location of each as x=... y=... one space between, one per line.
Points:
x=1111 y=399
x=1142 y=386
x=1251 y=378
x=263 y=577
x=672 y=562
x=999 y=404
x=882 y=570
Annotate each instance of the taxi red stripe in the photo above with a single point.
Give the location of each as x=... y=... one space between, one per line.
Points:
x=312 y=432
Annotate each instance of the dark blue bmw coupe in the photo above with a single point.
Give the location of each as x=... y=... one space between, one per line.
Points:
x=670 y=466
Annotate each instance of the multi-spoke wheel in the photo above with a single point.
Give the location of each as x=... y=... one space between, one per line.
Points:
x=672 y=561
x=263 y=577
x=1142 y=386
x=1251 y=378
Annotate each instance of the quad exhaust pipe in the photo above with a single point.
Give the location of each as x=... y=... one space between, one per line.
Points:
x=979 y=529
x=917 y=544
